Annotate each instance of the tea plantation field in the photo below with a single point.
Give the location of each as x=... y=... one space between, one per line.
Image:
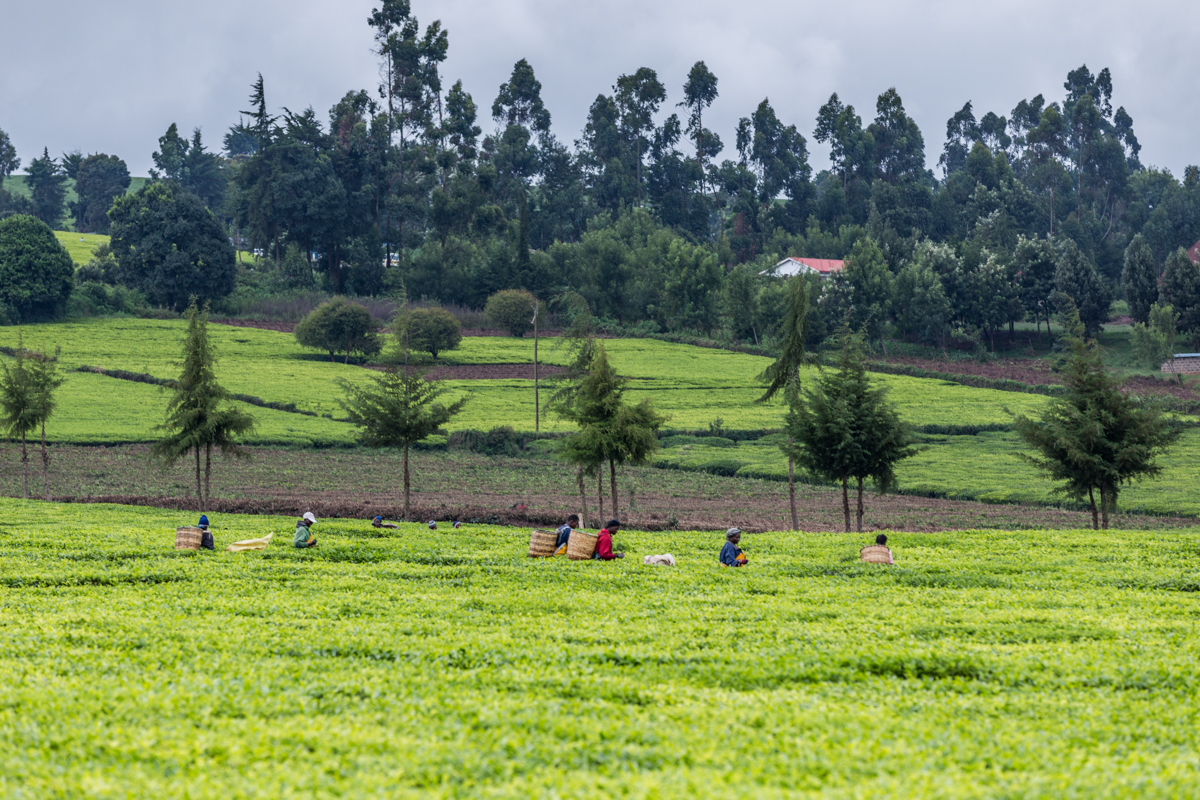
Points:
x=447 y=664
x=692 y=385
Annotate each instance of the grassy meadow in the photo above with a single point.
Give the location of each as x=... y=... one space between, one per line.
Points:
x=81 y=246
x=448 y=664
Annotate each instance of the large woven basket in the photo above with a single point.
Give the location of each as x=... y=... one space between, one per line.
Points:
x=541 y=543
x=188 y=538
x=875 y=554
x=582 y=545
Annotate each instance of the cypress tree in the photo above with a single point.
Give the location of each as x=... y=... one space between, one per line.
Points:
x=1139 y=279
x=846 y=428
x=1181 y=288
x=1095 y=437
x=198 y=418
x=1076 y=277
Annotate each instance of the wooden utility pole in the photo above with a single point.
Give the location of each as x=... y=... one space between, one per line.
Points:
x=537 y=406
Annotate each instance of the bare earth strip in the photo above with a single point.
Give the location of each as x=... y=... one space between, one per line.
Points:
x=465 y=486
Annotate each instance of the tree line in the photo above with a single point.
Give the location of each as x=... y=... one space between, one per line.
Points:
x=398 y=188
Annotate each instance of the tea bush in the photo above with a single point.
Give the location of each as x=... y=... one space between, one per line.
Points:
x=415 y=663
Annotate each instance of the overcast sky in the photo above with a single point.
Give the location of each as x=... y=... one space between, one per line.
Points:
x=110 y=77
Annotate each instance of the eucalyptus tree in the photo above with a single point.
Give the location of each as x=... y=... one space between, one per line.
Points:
x=699 y=92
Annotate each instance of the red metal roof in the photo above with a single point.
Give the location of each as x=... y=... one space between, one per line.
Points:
x=1194 y=253
x=822 y=265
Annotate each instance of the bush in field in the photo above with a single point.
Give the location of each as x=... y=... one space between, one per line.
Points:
x=340 y=326
x=511 y=310
x=430 y=329
x=36 y=273
x=170 y=247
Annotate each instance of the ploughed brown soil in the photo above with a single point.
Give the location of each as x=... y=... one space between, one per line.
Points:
x=266 y=325
x=1034 y=372
x=472 y=372
x=470 y=487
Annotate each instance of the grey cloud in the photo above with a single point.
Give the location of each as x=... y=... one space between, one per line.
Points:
x=112 y=77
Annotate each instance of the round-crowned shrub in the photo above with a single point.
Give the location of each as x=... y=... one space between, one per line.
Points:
x=430 y=329
x=36 y=273
x=339 y=326
x=511 y=310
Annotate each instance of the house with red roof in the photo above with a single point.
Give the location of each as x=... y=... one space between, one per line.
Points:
x=1194 y=253
x=824 y=267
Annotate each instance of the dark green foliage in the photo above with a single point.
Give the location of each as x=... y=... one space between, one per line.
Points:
x=844 y=428
x=922 y=310
x=430 y=329
x=9 y=163
x=199 y=414
x=1075 y=276
x=1096 y=437
x=1034 y=263
x=339 y=326
x=170 y=247
x=36 y=273
x=511 y=310
x=1180 y=287
x=48 y=189
x=398 y=409
x=1139 y=279
x=99 y=180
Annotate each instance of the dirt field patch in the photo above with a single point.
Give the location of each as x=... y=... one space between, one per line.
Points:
x=1035 y=372
x=456 y=485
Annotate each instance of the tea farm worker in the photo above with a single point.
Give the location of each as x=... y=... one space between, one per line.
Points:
x=379 y=523
x=604 y=543
x=881 y=541
x=304 y=537
x=731 y=554
x=206 y=540
x=564 y=534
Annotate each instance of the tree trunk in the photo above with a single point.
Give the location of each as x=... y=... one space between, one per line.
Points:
x=199 y=490
x=612 y=486
x=600 y=495
x=1095 y=519
x=846 y=502
x=45 y=463
x=406 y=481
x=792 y=488
x=860 y=503
x=207 y=474
x=25 y=464
x=582 y=497
x=1104 y=503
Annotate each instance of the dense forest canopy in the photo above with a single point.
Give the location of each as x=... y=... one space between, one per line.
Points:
x=413 y=184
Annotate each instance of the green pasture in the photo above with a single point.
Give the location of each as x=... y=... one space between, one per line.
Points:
x=81 y=246
x=693 y=386
x=448 y=664
x=985 y=467
x=94 y=409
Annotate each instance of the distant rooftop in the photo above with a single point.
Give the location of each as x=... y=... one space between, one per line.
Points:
x=794 y=265
x=1194 y=253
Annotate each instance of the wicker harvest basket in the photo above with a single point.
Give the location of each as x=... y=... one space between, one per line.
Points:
x=875 y=554
x=582 y=545
x=541 y=544
x=188 y=538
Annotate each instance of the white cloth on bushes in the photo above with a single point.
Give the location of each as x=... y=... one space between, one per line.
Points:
x=664 y=560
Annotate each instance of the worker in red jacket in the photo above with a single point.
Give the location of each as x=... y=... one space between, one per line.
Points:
x=604 y=543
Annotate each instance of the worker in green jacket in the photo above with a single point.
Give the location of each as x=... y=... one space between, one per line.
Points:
x=304 y=537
